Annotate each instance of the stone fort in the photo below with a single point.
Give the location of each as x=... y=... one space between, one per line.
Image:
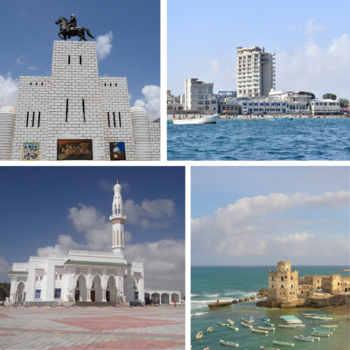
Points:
x=73 y=105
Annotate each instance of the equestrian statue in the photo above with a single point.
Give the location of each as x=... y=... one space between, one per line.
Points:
x=69 y=29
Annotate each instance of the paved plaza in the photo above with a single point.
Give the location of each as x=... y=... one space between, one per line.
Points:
x=93 y=328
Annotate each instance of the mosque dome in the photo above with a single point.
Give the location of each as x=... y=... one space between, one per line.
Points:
x=7 y=127
x=140 y=125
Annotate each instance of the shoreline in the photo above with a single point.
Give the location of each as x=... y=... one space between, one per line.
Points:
x=255 y=117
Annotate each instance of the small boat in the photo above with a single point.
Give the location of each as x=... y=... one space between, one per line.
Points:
x=321 y=334
x=265 y=318
x=259 y=331
x=325 y=318
x=269 y=324
x=229 y=343
x=211 y=119
x=286 y=326
x=199 y=313
x=287 y=316
x=314 y=338
x=210 y=329
x=329 y=326
x=266 y=348
x=221 y=324
x=230 y=321
x=313 y=314
x=233 y=328
x=266 y=328
x=282 y=343
x=322 y=330
x=303 y=338
x=251 y=320
x=199 y=335
x=298 y=325
x=246 y=325
x=294 y=321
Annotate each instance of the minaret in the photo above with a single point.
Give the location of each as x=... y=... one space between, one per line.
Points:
x=117 y=220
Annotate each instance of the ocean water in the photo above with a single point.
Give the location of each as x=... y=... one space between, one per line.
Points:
x=300 y=139
x=226 y=283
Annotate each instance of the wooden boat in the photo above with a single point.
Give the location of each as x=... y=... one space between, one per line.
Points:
x=265 y=318
x=269 y=324
x=233 y=328
x=299 y=325
x=314 y=338
x=210 y=329
x=229 y=343
x=322 y=330
x=199 y=335
x=246 y=325
x=211 y=119
x=266 y=328
x=303 y=338
x=221 y=324
x=313 y=314
x=329 y=326
x=321 y=334
x=259 y=331
x=230 y=321
x=282 y=343
x=286 y=326
x=324 y=318
x=251 y=320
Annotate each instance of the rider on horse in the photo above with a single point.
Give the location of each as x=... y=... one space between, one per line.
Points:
x=72 y=24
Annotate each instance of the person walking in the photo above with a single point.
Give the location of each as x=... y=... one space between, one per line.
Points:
x=174 y=301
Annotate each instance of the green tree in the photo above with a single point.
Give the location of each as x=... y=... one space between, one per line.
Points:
x=344 y=103
x=329 y=96
x=4 y=291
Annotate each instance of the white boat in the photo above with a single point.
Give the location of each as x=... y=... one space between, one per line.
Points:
x=321 y=334
x=232 y=327
x=210 y=119
x=229 y=343
x=259 y=331
x=230 y=322
x=199 y=313
x=199 y=335
x=266 y=328
x=303 y=338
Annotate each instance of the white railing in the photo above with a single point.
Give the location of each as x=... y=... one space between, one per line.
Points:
x=20 y=264
x=59 y=256
x=117 y=216
x=88 y=252
x=42 y=258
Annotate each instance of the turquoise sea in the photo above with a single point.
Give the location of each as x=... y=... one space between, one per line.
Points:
x=226 y=283
x=300 y=139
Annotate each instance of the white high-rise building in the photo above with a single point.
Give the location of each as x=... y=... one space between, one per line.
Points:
x=199 y=96
x=255 y=71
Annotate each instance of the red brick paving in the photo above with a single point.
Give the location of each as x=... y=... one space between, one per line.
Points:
x=4 y=316
x=99 y=324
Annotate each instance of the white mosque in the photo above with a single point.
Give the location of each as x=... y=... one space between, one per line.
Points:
x=86 y=276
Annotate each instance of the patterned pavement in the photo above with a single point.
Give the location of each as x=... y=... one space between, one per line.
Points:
x=93 y=328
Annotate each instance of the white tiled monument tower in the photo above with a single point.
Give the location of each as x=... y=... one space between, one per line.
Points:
x=75 y=104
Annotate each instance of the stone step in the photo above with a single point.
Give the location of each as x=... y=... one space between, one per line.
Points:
x=94 y=303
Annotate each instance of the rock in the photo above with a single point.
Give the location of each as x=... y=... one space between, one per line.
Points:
x=252 y=298
x=241 y=300
x=263 y=292
x=246 y=299
x=234 y=301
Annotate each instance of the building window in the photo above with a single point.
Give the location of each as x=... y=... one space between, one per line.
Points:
x=41 y=278
x=36 y=278
x=37 y=293
x=58 y=293
x=60 y=277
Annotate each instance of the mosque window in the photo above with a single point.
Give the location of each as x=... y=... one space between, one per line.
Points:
x=114 y=119
x=33 y=119
x=41 y=278
x=68 y=59
x=120 y=121
x=109 y=123
x=39 y=120
x=58 y=293
x=37 y=293
x=36 y=278
x=80 y=59
x=27 y=119
x=67 y=110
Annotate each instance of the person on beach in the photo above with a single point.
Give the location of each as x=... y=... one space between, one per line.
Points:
x=174 y=301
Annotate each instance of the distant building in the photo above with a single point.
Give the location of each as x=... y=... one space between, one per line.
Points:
x=255 y=71
x=175 y=103
x=199 y=96
x=283 y=284
x=322 y=106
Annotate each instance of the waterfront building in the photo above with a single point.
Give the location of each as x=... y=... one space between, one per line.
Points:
x=85 y=276
x=199 y=96
x=283 y=284
x=255 y=71
x=175 y=103
x=324 y=106
x=336 y=284
x=75 y=114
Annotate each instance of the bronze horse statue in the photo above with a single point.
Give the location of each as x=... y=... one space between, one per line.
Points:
x=66 y=32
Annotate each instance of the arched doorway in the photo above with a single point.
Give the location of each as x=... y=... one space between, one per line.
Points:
x=176 y=297
x=155 y=297
x=96 y=289
x=165 y=298
x=111 y=292
x=20 y=292
x=80 y=289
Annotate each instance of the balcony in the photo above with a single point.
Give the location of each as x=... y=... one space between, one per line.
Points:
x=117 y=216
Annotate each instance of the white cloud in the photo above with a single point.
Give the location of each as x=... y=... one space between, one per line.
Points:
x=316 y=69
x=236 y=230
x=164 y=263
x=4 y=266
x=8 y=91
x=32 y=68
x=311 y=29
x=104 y=45
x=19 y=60
x=295 y=238
x=150 y=102
x=164 y=260
x=155 y=213
x=294 y=27
x=105 y=185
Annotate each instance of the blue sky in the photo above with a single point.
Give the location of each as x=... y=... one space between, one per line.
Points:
x=36 y=208
x=29 y=30
x=258 y=215
x=311 y=40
